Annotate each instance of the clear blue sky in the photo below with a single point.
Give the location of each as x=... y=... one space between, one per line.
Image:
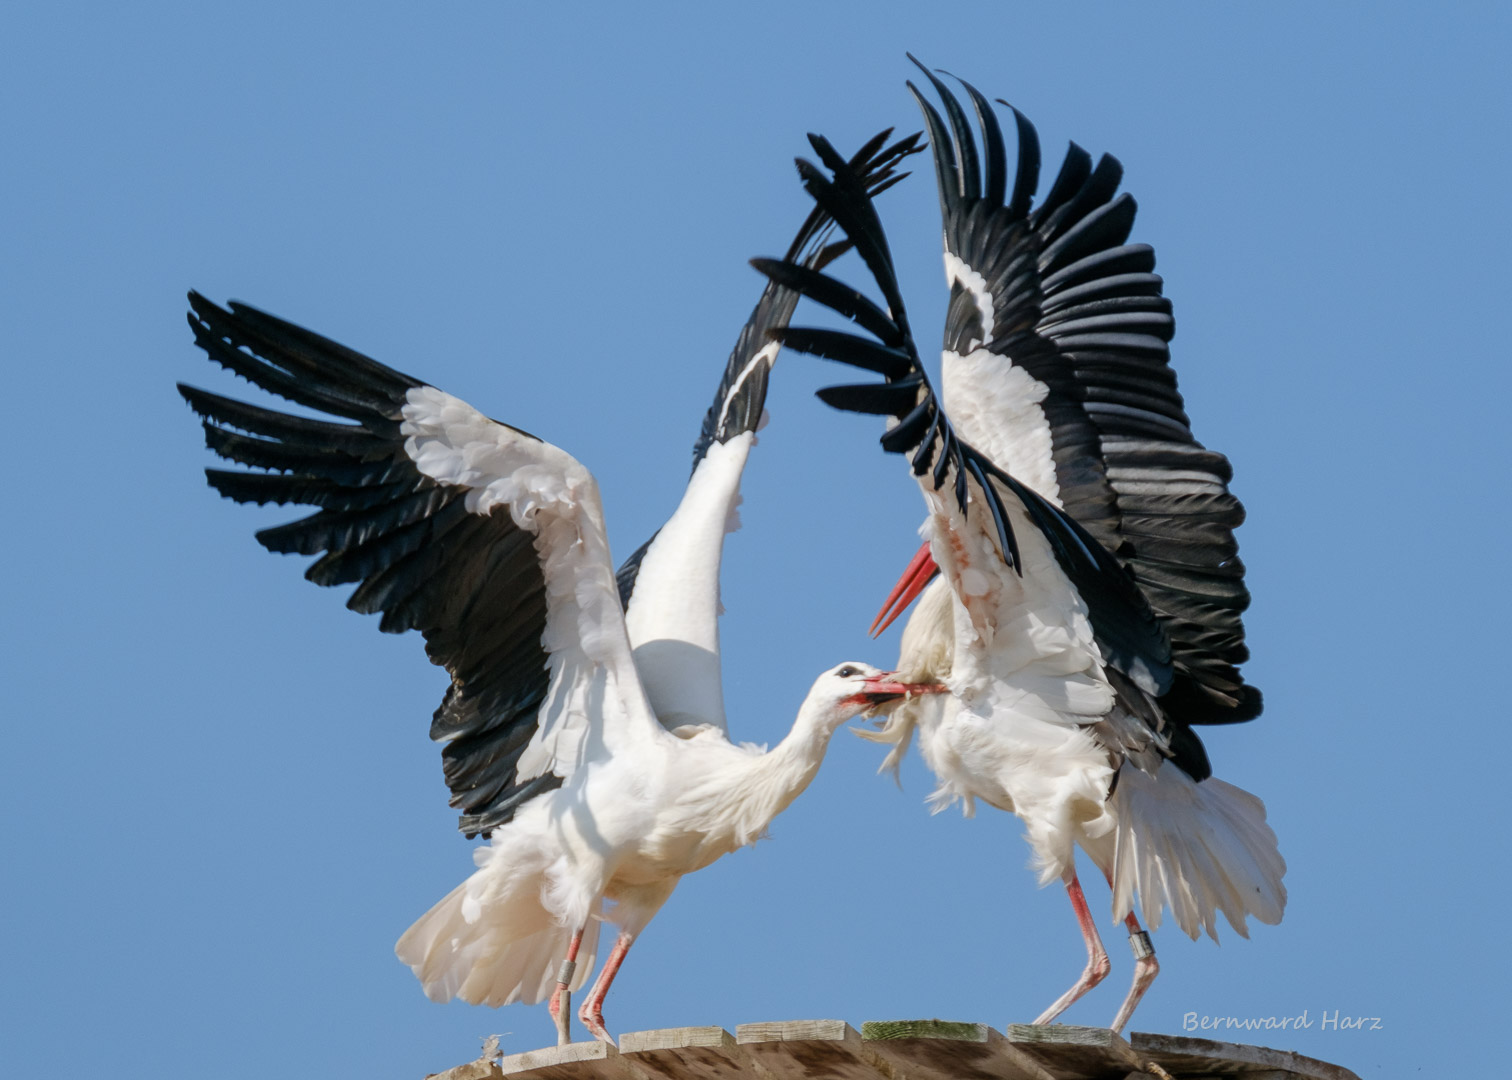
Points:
x=218 y=805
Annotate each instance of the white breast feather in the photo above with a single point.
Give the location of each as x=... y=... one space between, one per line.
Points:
x=1023 y=644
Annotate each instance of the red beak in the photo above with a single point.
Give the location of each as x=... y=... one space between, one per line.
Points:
x=884 y=688
x=919 y=574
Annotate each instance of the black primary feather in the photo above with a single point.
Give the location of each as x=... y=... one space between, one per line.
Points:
x=1126 y=628
x=1079 y=308
x=472 y=585
x=741 y=395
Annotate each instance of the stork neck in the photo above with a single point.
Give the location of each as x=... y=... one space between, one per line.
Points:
x=808 y=739
x=770 y=782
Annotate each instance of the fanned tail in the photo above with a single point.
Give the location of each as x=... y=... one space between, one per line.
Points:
x=491 y=949
x=1197 y=848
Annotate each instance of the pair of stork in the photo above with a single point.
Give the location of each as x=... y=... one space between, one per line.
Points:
x=1081 y=591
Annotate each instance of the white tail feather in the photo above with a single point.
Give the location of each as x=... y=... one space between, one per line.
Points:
x=1196 y=848
x=493 y=953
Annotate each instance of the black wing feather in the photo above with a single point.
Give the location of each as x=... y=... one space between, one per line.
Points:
x=1126 y=627
x=741 y=396
x=1080 y=309
x=472 y=585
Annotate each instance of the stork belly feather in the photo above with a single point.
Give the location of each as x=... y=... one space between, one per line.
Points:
x=1052 y=776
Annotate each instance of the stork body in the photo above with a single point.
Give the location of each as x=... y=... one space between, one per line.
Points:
x=1086 y=611
x=623 y=831
x=588 y=746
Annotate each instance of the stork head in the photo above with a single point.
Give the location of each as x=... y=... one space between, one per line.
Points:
x=855 y=688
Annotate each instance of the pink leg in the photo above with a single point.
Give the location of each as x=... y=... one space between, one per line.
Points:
x=1146 y=967
x=592 y=1012
x=561 y=998
x=1097 y=957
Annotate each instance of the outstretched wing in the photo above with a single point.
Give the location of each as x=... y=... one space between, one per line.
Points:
x=1126 y=630
x=670 y=586
x=740 y=399
x=487 y=540
x=1056 y=366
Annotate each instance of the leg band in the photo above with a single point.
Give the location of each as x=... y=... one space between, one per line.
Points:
x=566 y=971
x=1139 y=941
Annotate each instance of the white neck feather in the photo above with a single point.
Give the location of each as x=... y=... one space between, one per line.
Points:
x=734 y=805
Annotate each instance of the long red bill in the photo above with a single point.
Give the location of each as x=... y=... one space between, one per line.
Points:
x=885 y=686
x=919 y=573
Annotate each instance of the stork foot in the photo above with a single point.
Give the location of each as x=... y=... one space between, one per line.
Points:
x=1098 y=965
x=593 y=1020
x=1146 y=967
x=1095 y=972
x=592 y=1012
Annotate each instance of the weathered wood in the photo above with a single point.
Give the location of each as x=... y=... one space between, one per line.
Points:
x=821 y=1049
x=1069 y=1052
x=953 y=1030
x=1182 y=1056
x=564 y=1009
x=797 y=1031
x=949 y=1050
x=690 y=1053
x=897 y=1050
x=592 y=1060
x=675 y=1039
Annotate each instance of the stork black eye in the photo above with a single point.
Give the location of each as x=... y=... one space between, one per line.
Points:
x=847 y=671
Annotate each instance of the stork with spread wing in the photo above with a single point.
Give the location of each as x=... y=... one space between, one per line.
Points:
x=1083 y=590
x=583 y=730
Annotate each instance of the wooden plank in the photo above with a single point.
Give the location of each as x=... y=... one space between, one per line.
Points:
x=811 y=1050
x=1069 y=1052
x=592 y=1060
x=1182 y=1056
x=896 y=1050
x=949 y=1050
x=950 y=1030
x=690 y=1053
x=675 y=1039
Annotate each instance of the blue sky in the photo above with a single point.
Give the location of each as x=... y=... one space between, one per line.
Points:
x=218 y=805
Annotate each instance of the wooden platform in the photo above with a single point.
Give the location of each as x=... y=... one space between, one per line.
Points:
x=896 y=1050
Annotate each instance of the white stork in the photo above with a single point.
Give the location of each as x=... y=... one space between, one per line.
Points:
x=1088 y=611
x=584 y=726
